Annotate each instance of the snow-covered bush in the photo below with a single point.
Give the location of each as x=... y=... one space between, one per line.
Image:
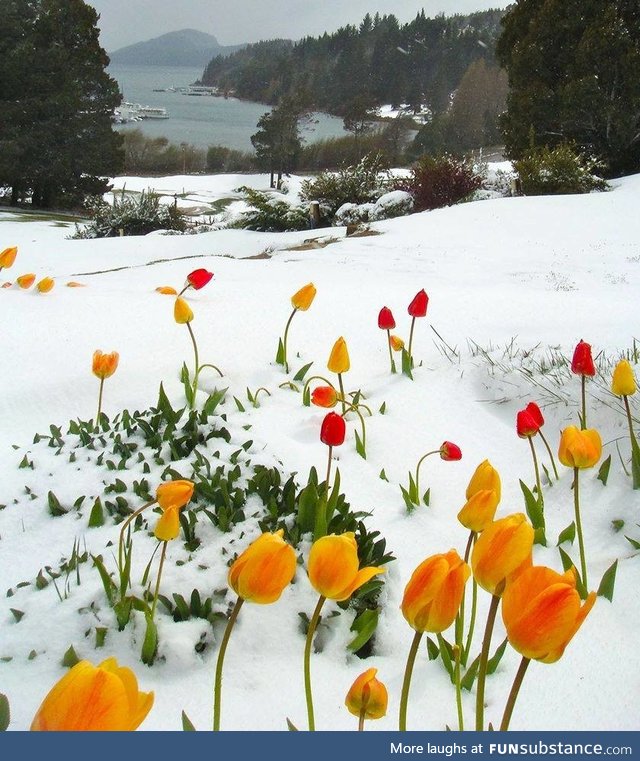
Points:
x=560 y=170
x=269 y=213
x=395 y=203
x=353 y=214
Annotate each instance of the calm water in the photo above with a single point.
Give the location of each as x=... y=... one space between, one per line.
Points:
x=200 y=120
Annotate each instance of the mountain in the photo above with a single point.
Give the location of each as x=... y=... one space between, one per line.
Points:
x=187 y=47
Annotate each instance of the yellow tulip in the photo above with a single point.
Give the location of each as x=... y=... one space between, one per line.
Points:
x=542 y=611
x=485 y=476
x=579 y=448
x=623 y=382
x=104 y=365
x=168 y=525
x=479 y=510
x=433 y=595
x=367 y=696
x=167 y=290
x=503 y=550
x=339 y=357
x=94 y=698
x=26 y=281
x=263 y=571
x=333 y=566
x=8 y=257
x=303 y=298
x=174 y=494
x=182 y=312
x=45 y=285
x=397 y=344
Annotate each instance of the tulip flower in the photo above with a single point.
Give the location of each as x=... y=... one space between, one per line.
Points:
x=367 y=697
x=300 y=301
x=527 y=426
x=479 y=510
x=333 y=430
x=579 y=449
x=396 y=343
x=536 y=418
x=417 y=308
x=501 y=552
x=103 y=698
x=324 y=396
x=45 y=285
x=449 y=452
x=167 y=290
x=182 y=312
x=26 y=281
x=430 y=603
x=387 y=322
x=197 y=279
x=485 y=476
x=339 y=363
x=8 y=257
x=582 y=365
x=103 y=366
x=333 y=572
x=623 y=383
x=260 y=574
x=75 y=284
x=542 y=611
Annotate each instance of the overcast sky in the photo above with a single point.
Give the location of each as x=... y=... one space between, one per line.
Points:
x=123 y=22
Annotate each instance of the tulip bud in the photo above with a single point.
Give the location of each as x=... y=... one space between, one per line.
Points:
x=623 y=382
x=418 y=305
x=450 y=451
x=536 y=413
x=333 y=566
x=45 y=285
x=367 y=696
x=397 y=344
x=526 y=425
x=333 y=430
x=104 y=365
x=303 y=298
x=174 y=494
x=182 y=312
x=582 y=362
x=479 y=510
x=94 y=698
x=199 y=278
x=26 y=281
x=168 y=525
x=339 y=357
x=263 y=571
x=324 y=396
x=8 y=257
x=485 y=476
x=579 y=448
x=167 y=290
x=502 y=551
x=385 y=319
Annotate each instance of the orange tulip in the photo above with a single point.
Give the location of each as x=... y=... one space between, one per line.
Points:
x=263 y=571
x=397 y=344
x=94 y=698
x=339 y=357
x=579 y=448
x=542 y=611
x=502 y=551
x=104 y=365
x=367 y=696
x=433 y=595
x=26 y=281
x=182 y=312
x=324 y=396
x=479 y=510
x=8 y=257
x=167 y=290
x=303 y=298
x=174 y=494
x=45 y=285
x=485 y=476
x=333 y=566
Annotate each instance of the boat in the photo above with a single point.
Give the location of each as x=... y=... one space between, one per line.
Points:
x=201 y=90
x=152 y=112
x=135 y=112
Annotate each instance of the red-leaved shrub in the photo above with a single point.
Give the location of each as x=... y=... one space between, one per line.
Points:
x=440 y=181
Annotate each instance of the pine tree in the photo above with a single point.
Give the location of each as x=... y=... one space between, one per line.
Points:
x=57 y=142
x=277 y=142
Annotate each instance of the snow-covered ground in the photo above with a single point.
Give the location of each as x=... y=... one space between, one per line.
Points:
x=513 y=285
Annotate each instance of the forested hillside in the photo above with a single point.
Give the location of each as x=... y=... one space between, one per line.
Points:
x=418 y=63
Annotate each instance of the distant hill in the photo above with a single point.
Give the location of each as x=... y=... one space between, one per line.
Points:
x=187 y=47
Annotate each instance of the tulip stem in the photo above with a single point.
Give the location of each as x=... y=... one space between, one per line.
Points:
x=133 y=516
x=459 y=626
x=342 y=399
x=420 y=461
x=634 y=445
x=160 y=566
x=576 y=505
x=307 y=657
x=196 y=360
x=553 y=462
x=472 y=620
x=583 y=421
x=354 y=408
x=361 y=719
x=457 y=651
x=408 y=671
x=484 y=659
x=316 y=377
x=393 y=364
x=513 y=695
x=100 y=404
x=413 y=322
x=217 y=690
x=284 y=340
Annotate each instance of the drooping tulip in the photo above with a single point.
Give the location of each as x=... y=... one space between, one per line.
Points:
x=579 y=448
x=479 y=510
x=199 y=278
x=45 y=285
x=182 y=312
x=8 y=257
x=333 y=566
x=542 y=611
x=302 y=299
x=367 y=696
x=450 y=451
x=385 y=319
x=174 y=494
x=26 y=281
x=104 y=365
x=324 y=396
x=333 y=430
x=167 y=290
x=339 y=357
x=623 y=382
x=94 y=698
x=264 y=570
x=582 y=362
x=418 y=305
x=502 y=551
x=485 y=476
x=397 y=344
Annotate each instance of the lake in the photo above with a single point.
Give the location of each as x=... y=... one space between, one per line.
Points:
x=200 y=120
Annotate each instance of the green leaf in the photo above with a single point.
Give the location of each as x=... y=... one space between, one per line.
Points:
x=280 y=353
x=568 y=534
x=96 y=518
x=426 y=497
x=433 y=651
x=535 y=511
x=26 y=463
x=406 y=364
x=17 y=614
x=239 y=404
x=299 y=376
x=364 y=625
x=608 y=581
x=109 y=585
x=306 y=397
x=470 y=675
x=446 y=653
x=360 y=447
x=603 y=470
x=383 y=476
x=70 y=658
x=635 y=544
x=413 y=490
x=407 y=500
x=307 y=502
x=187 y=724
x=291 y=726
x=568 y=564
x=494 y=661
x=5 y=712
x=150 y=643
x=383 y=408
x=55 y=508
x=617 y=524
x=213 y=401
x=164 y=406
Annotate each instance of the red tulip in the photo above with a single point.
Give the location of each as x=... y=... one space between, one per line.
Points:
x=324 y=396
x=199 y=278
x=385 y=319
x=526 y=424
x=418 y=307
x=333 y=430
x=582 y=362
x=536 y=413
x=450 y=451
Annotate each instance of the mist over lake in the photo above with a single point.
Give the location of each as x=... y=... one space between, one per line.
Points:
x=200 y=120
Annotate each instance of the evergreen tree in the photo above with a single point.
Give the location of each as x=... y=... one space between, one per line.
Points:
x=277 y=142
x=56 y=141
x=574 y=75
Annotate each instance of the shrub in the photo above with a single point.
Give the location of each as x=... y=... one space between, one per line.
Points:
x=223 y=159
x=440 y=181
x=271 y=214
x=130 y=215
x=560 y=170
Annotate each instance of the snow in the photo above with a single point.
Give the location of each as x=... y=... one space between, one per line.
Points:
x=513 y=285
